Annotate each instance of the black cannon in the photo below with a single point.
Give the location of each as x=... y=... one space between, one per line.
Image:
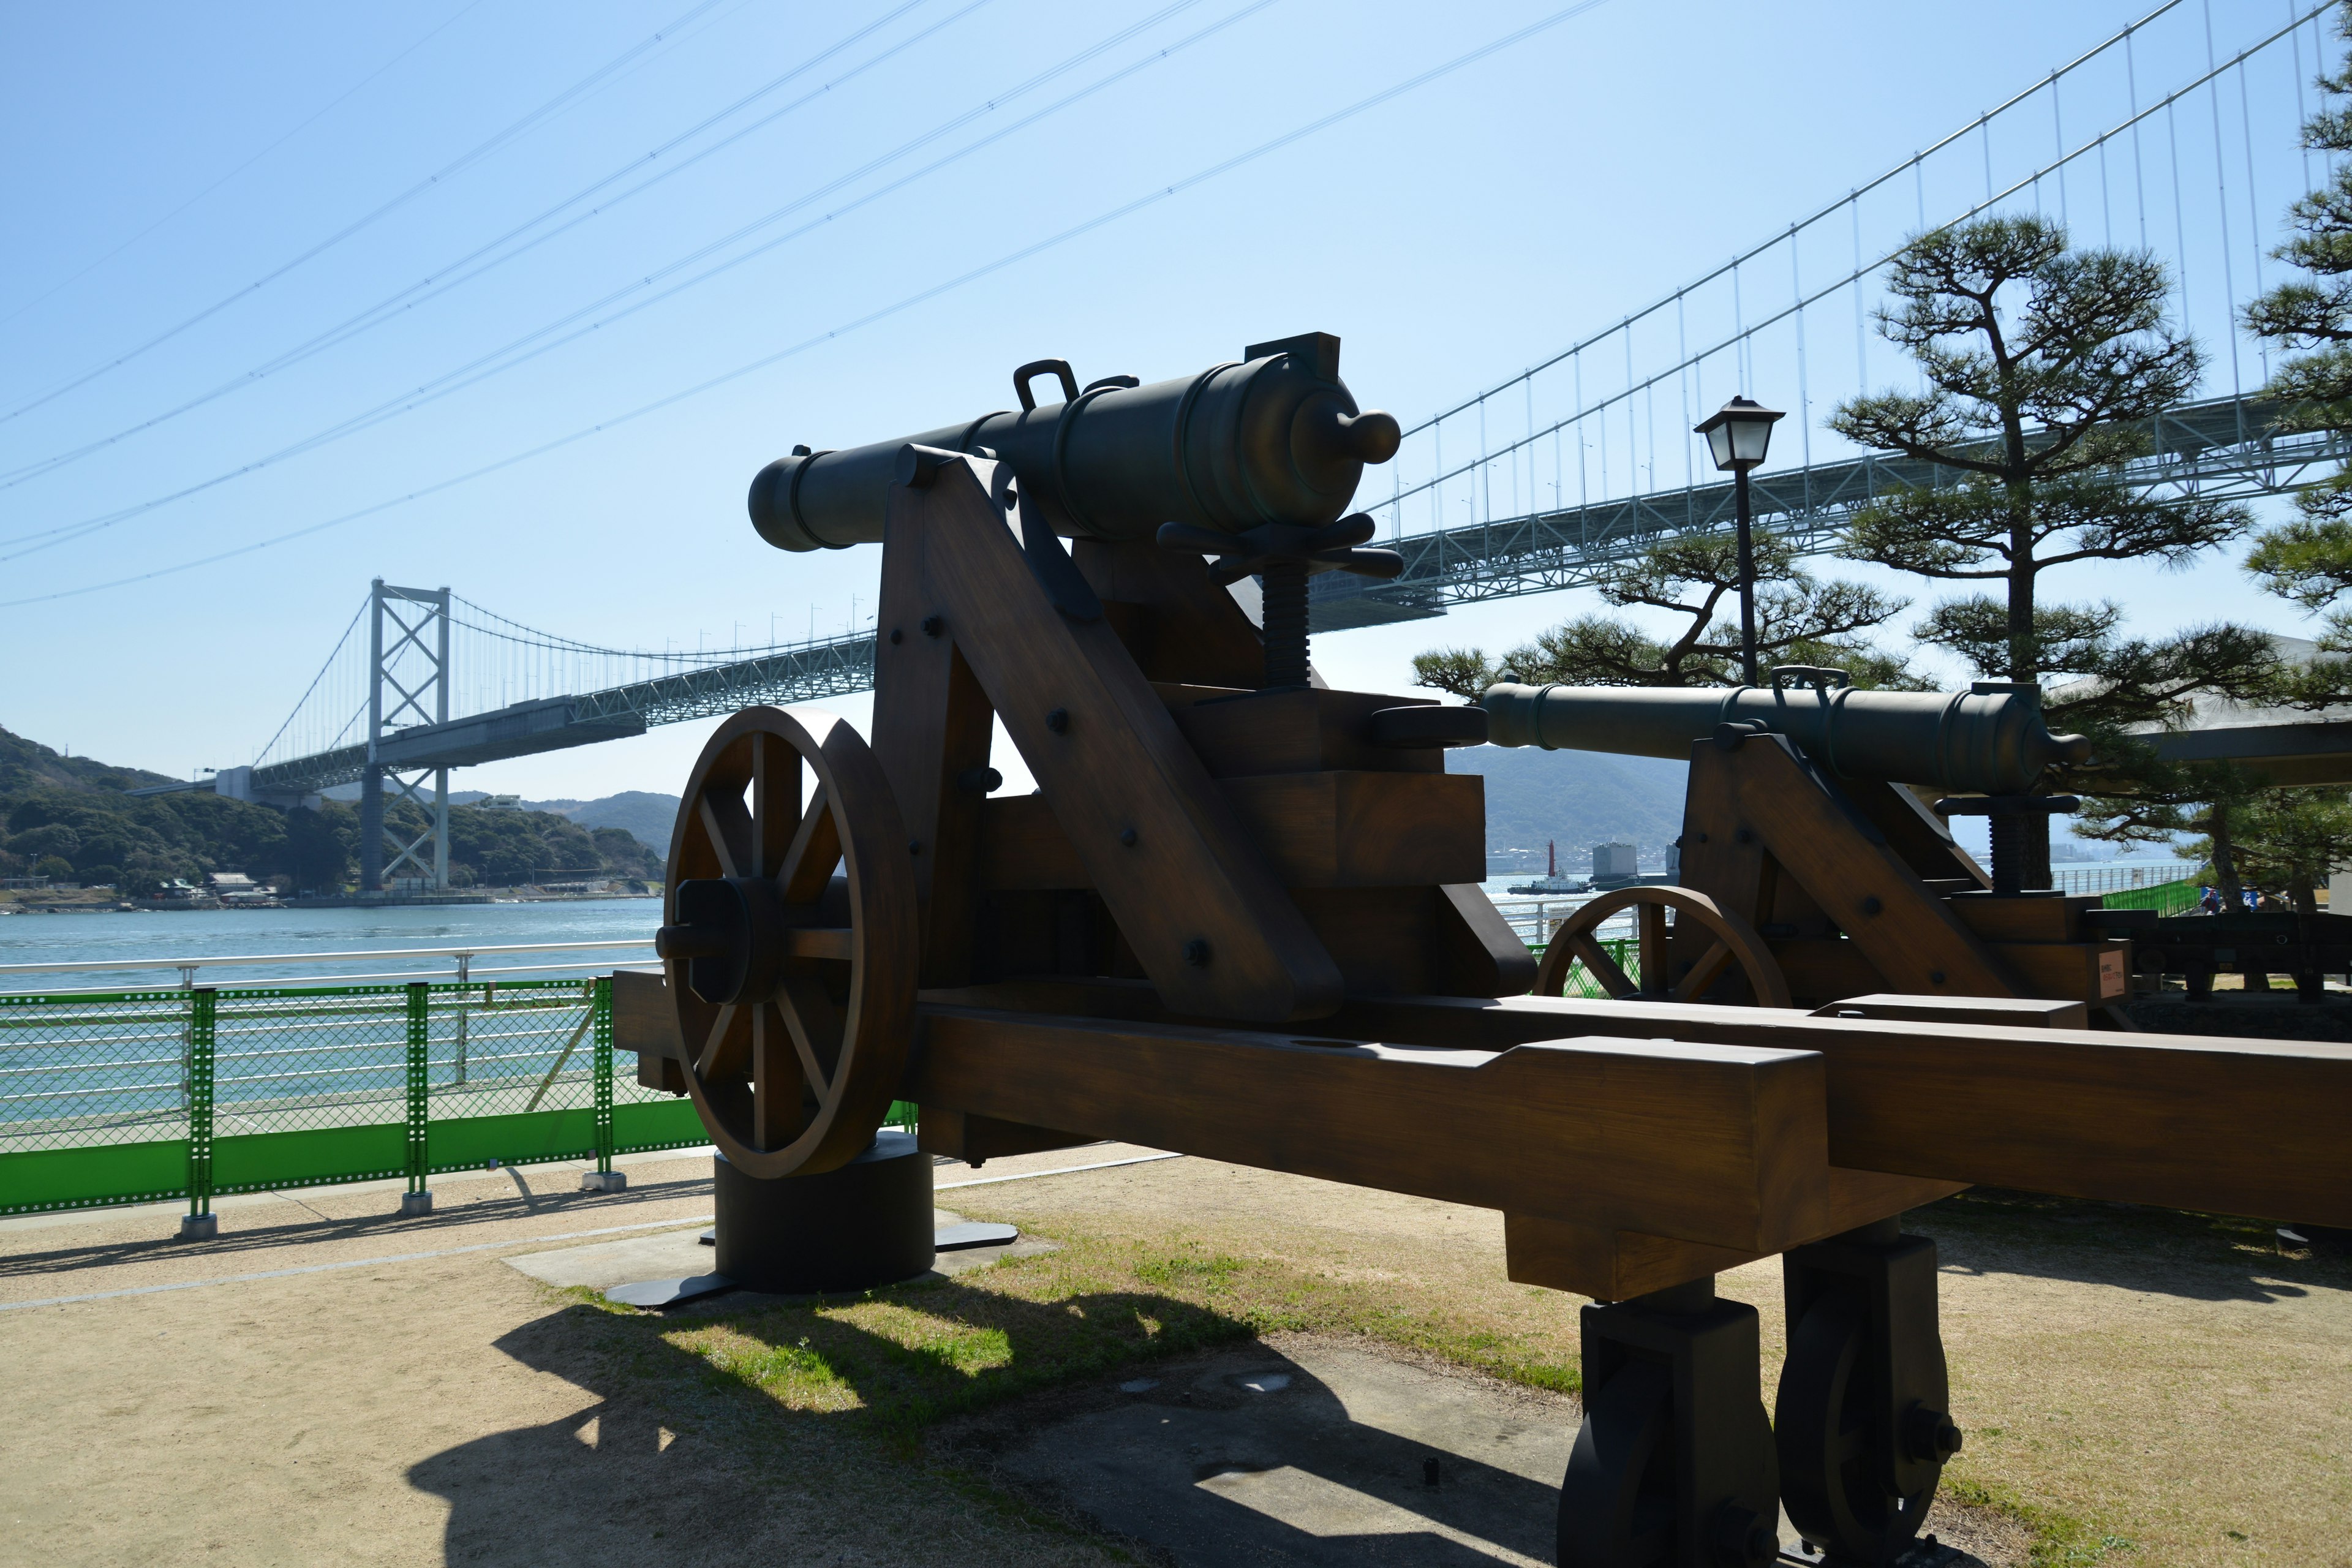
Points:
x=1275 y=439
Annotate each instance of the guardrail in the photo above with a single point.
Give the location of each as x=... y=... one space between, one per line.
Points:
x=462 y=958
x=198 y=1091
x=143 y=1096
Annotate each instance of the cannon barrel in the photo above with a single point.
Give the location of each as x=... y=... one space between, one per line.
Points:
x=1990 y=739
x=1277 y=438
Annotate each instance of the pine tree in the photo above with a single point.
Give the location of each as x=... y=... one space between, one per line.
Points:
x=2308 y=558
x=1799 y=620
x=2041 y=364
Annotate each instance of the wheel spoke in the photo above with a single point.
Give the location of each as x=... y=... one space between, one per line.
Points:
x=729 y=827
x=1703 y=973
x=777 y=1081
x=836 y=943
x=1603 y=969
x=721 y=1048
x=775 y=800
x=1650 y=926
x=815 y=1023
x=808 y=865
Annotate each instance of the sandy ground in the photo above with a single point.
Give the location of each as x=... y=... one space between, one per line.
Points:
x=419 y=1410
x=401 y=1401
x=2188 y=1397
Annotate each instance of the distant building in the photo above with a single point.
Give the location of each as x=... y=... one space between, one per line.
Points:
x=1614 y=861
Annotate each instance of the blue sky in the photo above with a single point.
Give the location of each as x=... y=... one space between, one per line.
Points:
x=164 y=160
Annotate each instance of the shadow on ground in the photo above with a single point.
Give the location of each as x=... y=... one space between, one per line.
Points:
x=761 y=1429
x=2196 y=1257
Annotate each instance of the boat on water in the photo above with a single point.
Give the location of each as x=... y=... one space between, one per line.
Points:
x=1551 y=881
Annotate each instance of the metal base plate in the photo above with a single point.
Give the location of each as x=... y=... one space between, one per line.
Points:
x=668 y=1292
x=972 y=1233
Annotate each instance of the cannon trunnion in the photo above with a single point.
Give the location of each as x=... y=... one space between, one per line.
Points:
x=1240 y=919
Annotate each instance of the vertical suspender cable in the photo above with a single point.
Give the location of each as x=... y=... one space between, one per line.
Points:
x=1861 y=338
x=2107 y=209
x=1741 y=364
x=1527 y=387
x=2058 y=134
x=1632 y=452
x=2179 y=217
x=1682 y=377
x=2221 y=234
x=2301 y=115
x=2139 y=182
x=2254 y=204
x=1485 y=479
x=1583 y=488
x=1804 y=394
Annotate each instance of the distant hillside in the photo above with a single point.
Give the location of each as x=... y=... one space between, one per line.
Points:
x=647 y=816
x=27 y=763
x=67 y=818
x=1577 y=798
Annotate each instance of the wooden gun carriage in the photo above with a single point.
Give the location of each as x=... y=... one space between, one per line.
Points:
x=1240 y=919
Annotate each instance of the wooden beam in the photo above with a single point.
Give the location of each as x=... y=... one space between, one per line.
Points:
x=1908 y=934
x=1612 y=1265
x=1204 y=914
x=2010 y=1012
x=2228 y=1126
x=1719 y=1145
x=1315 y=830
x=976 y=1140
x=644 y=1021
x=933 y=726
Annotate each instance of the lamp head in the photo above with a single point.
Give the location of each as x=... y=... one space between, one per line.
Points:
x=1738 y=434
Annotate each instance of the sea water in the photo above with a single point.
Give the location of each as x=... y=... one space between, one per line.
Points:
x=181 y=936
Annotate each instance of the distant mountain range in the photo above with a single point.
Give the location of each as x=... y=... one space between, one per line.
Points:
x=647 y=816
x=1575 y=799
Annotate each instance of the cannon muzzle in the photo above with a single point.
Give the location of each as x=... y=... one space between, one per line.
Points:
x=1277 y=438
x=1988 y=739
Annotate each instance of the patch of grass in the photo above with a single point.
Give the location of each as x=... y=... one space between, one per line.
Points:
x=896 y=1361
x=2060 y=1540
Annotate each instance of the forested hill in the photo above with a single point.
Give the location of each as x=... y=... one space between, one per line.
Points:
x=68 y=818
x=26 y=764
x=1575 y=798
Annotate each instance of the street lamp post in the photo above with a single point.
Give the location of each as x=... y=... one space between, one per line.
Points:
x=1738 y=436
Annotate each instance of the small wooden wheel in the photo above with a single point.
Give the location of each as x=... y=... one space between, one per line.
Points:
x=1735 y=940
x=794 y=988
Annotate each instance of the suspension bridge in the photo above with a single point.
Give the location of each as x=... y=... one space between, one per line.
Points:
x=1598 y=463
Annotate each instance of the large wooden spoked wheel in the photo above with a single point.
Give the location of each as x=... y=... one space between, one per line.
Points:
x=1735 y=941
x=794 y=987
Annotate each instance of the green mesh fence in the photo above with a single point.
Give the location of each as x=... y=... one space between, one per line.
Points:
x=2164 y=897
x=1580 y=982
x=133 y=1095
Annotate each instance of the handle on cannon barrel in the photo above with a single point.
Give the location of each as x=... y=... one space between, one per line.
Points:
x=1037 y=367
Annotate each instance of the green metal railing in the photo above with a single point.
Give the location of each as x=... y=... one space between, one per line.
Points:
x=143 y=1096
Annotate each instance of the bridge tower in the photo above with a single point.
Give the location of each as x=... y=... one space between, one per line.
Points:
x=408 y=683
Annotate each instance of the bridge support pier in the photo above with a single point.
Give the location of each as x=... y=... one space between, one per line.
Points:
x=371 y=831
